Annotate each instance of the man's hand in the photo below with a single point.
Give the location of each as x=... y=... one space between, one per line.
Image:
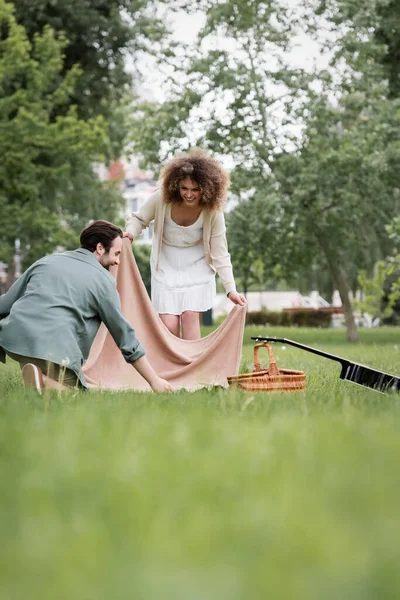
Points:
x=161 y=385
x=237 y=298
x=156 y=383
x=128 y=235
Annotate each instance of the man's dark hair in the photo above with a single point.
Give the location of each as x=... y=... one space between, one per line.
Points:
x=101 y=232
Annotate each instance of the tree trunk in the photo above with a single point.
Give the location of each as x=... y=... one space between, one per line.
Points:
x=10 y=274
x=245 y=286
x=344 y=292
x=343 y=288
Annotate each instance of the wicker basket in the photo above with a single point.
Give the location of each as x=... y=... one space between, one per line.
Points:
x=269 y=380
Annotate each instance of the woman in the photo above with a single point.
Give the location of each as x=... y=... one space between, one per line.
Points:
x=189 y=242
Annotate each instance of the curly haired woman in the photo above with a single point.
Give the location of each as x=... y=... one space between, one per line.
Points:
x=189 y=242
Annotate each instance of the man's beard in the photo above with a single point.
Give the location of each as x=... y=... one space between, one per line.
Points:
x=105 y=264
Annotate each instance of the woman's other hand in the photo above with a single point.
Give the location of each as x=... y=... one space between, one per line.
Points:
x=128 y=235
x=237 y=298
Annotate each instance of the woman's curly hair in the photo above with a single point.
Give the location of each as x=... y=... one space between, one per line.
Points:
x=201 y=168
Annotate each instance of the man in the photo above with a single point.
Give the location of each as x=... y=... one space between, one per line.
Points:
x=50 y=316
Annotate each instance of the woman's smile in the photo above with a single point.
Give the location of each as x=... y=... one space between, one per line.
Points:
x=189 y=191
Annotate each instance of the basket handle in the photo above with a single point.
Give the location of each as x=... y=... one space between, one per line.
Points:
x=273 y=368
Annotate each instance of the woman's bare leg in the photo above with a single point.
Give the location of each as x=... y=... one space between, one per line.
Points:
x=172 y=322
x=190 y=325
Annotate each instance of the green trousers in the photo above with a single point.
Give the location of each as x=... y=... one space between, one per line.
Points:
x=60 y=374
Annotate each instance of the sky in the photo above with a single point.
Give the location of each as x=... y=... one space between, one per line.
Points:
x=186 y=27
x=305 y=54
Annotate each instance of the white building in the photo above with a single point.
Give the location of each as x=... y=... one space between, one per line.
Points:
x=136 y=186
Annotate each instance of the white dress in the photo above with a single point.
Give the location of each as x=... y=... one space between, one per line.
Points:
x=184 y=280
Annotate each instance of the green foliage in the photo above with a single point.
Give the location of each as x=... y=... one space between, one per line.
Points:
x=311 y=151
x=267 y=317
x=228 y=101
x=393 y=230
x=381 y=19
x=382 y=290
x=294 y=318
x=244 y=235
x=48 y=191
x=373 y=292
x=309 y=318
x=393 y=264
x=142 y=254
x=99 y=34
x=388 y=34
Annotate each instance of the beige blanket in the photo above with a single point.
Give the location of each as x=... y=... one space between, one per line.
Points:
x=189 y=364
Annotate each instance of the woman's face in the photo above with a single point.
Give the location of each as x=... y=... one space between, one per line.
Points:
x=190 y=192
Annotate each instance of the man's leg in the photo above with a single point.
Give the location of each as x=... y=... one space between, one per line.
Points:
x=40 y=373
x=32 y=377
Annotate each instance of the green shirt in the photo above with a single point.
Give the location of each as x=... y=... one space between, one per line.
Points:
x=54 y=310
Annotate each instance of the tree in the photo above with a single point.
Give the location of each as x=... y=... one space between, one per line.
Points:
x=243 y=242
x=142 y=254
x=367 y=123
x=373 y=291
x=381 y=19
x=223 y=99
x=341 y=188
x=316 y=150
x=382 y=291
x=46 y=194
x=100 y=35
x=392 y=263
x=388 y=34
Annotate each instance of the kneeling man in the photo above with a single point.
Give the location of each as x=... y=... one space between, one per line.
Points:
x=50 y=316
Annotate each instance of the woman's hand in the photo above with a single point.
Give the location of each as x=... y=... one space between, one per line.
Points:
x=237 y=298
x=128 y=235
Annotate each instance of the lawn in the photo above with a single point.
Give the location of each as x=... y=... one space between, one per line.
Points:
x=211 y=495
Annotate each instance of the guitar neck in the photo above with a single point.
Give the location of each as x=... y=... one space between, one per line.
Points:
x=342 y=361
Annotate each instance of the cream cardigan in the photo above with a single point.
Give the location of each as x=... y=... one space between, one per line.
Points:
x=214 y=237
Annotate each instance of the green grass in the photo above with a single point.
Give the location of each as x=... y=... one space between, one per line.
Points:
x=211 y=495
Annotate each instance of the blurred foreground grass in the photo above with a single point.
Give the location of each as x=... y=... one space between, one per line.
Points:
x=210 y=495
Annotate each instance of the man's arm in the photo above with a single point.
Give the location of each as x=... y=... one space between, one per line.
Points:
x=145 y=369
x=109 y=308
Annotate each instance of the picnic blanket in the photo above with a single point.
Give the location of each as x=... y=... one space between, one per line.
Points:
x=189 y=364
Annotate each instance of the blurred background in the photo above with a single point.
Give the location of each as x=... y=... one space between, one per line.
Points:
x=211 y=495
x=298 y=99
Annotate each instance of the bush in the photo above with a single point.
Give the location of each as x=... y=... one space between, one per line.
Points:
x=220 y=319
x=310 y=318
x=300 y=317
x=142 y=254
